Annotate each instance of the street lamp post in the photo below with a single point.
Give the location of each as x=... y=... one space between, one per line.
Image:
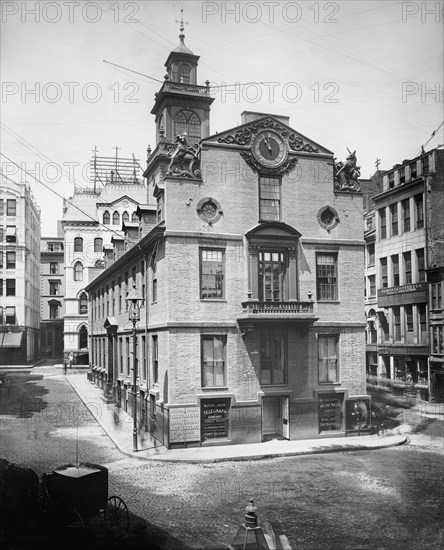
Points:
x=134 y=301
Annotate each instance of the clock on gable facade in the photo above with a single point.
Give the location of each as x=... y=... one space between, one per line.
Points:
x=269 y=149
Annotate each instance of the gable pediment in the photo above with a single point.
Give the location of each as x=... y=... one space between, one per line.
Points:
x=243 y=136
x=121 y=201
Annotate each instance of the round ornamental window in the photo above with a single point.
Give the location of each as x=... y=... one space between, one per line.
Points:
x=328 y=218
x=209 y=210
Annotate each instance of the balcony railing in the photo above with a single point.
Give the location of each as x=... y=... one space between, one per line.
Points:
x=278 y=308
x=170 y=86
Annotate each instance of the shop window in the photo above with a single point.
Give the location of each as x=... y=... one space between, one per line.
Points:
x=213 y=360
x=106 y=218
x=328 y=364
x=212 y=274
x=269 y=198
x=326 y=276
x=273 y=357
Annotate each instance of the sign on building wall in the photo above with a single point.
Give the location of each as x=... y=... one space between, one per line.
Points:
x=330 y=412
x=184 y=424
x=214 y=418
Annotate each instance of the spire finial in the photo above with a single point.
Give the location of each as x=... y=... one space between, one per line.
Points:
x=182 y=23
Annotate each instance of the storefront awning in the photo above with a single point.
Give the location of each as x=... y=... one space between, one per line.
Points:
x=10 y=339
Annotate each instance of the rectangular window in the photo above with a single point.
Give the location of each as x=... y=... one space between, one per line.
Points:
x=372 y=284
x=408 y=310
x=10 y=260
x=10 y=287
x=395 y=269
x=121 y=355
x=421 y=266
x=11 y=234
x=328 y=365
x=436 y=293
x=407 y=256
x=1 y=259
x=272 y=271
x=11 y=207
x=1 y=287
x=397 y=324
x=273 y=357
x=326 y=276
x=154 y=278
x=54 y=288
x=384 y=275
x=438 y=340
x=2 y=207
x=10 y=318
x=213 y=360
x=425 y=165
x=269 y=198
x=160 y=208
x=144 y=370
x=382 y=223
x=126 y=290
x=422 y=313
x=391 y=180
x=413 y=171
x=53 y=311
x=211 y=274
x=394 y=218
x=53 y=267
x=419 y=209
x=107 y=300
x=405 y=207
x=402 y=175
x=155 y=357
x=371 y=254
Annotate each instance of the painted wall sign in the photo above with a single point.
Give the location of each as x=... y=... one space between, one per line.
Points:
x=214 y=418
x=330 y=412
x=184 y=424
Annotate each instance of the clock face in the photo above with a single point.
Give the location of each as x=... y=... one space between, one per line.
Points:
x=269 y=149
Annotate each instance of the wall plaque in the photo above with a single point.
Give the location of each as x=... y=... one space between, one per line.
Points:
x=330 y=412
x=214 y=418
x=184 y=424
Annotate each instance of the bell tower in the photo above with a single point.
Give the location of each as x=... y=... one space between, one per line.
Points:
x=182 y=106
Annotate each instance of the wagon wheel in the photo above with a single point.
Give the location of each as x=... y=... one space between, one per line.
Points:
x=116 y=514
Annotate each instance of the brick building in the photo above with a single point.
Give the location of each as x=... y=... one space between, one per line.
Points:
x=19 y=274
x=404 y=277
x=52 y=258
x=250 y=260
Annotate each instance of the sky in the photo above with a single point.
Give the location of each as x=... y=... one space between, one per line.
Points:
x=363 y=75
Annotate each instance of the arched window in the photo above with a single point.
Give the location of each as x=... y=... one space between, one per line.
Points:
x=135 y=217
x=83 y=337
x=106 y=218
x=78 y=271
x=116 y=218
x=188 y=123
x=78 y=244
x=184 y=73
x=83 y=303
x=98 y=244
x=125 y=217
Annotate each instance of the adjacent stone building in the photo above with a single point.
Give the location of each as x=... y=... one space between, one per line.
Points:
x=52 y=257
x=19 y=274
x=404 y=277
x=250 y=258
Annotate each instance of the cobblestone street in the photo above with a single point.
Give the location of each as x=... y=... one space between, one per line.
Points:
x=390 y=498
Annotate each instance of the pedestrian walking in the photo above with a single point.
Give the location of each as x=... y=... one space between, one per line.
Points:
x=70 y=359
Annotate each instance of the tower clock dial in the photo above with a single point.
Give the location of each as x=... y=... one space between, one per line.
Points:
x=269 y=149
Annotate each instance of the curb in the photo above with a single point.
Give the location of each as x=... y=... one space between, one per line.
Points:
x=321 y=450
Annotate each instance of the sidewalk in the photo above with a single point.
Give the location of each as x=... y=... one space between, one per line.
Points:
x=119 y=430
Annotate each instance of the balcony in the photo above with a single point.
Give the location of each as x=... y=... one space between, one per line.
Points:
x=261 y=311
x=179 y=87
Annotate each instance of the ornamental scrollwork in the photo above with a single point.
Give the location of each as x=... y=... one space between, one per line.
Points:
x=285 y=168
x=297 y=144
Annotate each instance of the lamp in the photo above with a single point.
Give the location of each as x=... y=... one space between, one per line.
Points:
x=250 y=536
x=134 y=301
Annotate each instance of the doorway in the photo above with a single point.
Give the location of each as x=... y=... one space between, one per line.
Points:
x=275 y=418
